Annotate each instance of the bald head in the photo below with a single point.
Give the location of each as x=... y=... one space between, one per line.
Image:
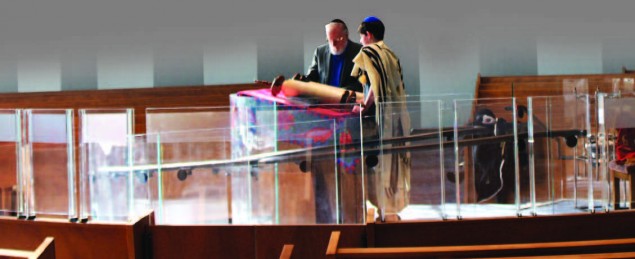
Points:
x=337 y=36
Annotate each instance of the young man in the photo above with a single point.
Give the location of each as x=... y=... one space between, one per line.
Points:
x=379 y=71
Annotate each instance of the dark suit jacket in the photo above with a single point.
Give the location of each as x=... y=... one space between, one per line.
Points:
x=319 y=70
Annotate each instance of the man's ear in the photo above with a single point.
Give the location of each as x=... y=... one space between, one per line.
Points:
x=370 y=36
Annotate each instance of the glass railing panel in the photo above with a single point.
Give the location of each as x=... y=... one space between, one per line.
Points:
x=254 y=171
x=563 y=178
x=616 y=134
x=447 y=107
x=202 y=182
x=144 y=157
x=186 y=118
x=305 y=173
x=105 y=141
x=410 y=177
x=193 y=184
x=122 y=191
x=9 y=138
x=259 y=107
x=49 y=150
x=491 y=178
x=622 y=86
x=338 y=182
x=350 y=169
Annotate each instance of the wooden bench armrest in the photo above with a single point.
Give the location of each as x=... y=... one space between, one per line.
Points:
x=287 y=250
x=46 y=250
x=331 y=249
x=468 y=249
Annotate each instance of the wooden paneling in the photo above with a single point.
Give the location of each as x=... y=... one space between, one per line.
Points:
x=608 y=248
x=7 y=173
x=544 y=85
x=312 y=241
x=74 y=240
x=249 y=241
x=138 y=98
x=204 y=242
x=617 y=224
x=308 y=241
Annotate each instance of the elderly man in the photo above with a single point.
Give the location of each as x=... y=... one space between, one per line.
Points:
x=333 y=62
x=332 y=65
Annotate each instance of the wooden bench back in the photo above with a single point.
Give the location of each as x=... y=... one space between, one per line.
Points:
x=139 y=99
x=613 y=247
x=46 y=250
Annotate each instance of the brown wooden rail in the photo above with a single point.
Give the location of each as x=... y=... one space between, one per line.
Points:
x=138 y=98
x=540 y=85
x=604 y=246
x=46 y=250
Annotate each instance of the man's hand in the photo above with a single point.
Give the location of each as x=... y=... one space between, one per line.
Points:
x=358 y=109
x=299 y=77
x=263 y=83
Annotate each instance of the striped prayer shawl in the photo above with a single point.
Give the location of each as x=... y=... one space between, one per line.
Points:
x=383 y=71
x=379 y=68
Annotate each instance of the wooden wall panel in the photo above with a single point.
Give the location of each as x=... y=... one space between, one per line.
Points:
x=617 y=224
x=308 y=241
x=7 y=174
x=73 y=240
x=543 y=85
x=203 y=242
x=138 y=98
x=250 y=241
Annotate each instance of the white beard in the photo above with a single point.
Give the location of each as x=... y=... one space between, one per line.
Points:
x=334 y=52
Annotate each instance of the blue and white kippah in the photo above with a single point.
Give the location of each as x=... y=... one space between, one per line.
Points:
x=371 y=19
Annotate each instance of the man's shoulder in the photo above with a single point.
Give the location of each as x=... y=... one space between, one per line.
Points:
x=377 y=48
x=322 y=48
x=354 y=47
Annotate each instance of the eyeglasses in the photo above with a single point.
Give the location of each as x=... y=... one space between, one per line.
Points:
x=338 y=39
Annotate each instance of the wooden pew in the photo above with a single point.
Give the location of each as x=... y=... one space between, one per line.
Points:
x=46 y=250
x=539 y=85
x=578 y=256
x=608 y=248
x=287 y=250
x=138 y=98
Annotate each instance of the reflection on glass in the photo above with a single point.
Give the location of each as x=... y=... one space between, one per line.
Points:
x=418 y=190
x=447 y=108
x=48 y=162
x=616 y=134
x=563 y=175
x=9 y=137
x=186 y=118
x=201 y=183
x=106 y=140
x=342 y=201
x=270 y=164
x=490 y=175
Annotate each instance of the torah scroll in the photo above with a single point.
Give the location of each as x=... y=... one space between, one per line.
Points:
x=323 y=93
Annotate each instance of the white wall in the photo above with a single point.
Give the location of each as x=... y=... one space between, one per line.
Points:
x=443 y=44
